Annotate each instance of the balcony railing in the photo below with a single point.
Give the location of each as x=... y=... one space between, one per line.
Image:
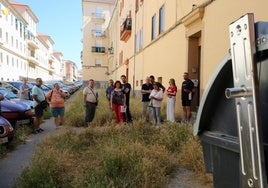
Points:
x=32 y=43
x=98 y=33
x=32 y=60
x=125 y=30
x=99 y=17
x=96 y=49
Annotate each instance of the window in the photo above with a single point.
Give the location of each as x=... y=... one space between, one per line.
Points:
x=137 y=5
x=153 y=27
x=141 y=39
x=16 y=24
x=97 y=30
x=136 y=43
x=11 y=19
x=1 y=57
x=1 y=34
x=98 y=43
x=98 y=13
x=7 y=60
x=21 y=32
x=98 y=62
x=121 y=58
x=12 y=41
x=161 y=19
x=7 y=37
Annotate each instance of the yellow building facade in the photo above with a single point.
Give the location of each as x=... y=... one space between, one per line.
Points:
x=96 y=17
x=166 y=38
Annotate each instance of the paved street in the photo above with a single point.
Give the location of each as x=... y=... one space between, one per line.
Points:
x=14 y=163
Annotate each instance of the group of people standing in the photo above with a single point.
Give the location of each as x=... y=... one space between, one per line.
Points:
x=153 y=93
x=55 y=99
x=118 y=95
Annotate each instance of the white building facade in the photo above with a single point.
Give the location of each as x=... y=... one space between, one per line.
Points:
x=25 y=53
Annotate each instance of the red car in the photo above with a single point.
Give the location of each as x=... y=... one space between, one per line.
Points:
x=6 y=131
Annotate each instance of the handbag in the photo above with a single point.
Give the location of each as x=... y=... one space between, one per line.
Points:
x=150 y=104
x=44 y=104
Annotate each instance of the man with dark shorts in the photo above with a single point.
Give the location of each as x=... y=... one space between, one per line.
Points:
x=186 y=97
x=38 y=96
x=126 y=88
x=146 y=89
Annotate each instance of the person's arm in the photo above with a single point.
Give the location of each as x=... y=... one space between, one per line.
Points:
x=85 y=97
x=34 y=94
x=159 y=96
x=111 y=100
x=127 y=89
x=36 y=98
x=163 y=88
x=125 y=100
x=145 y=91
x=62 y=94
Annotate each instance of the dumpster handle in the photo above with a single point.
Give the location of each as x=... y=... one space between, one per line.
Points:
x=237 y=92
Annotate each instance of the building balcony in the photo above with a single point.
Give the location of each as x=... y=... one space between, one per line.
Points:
x=32 y=44
x=96 y=49
x=32 y=60
x=125 y=30
x=51 y=67
x=98 y=17
x=111 y=50
x=98 y=33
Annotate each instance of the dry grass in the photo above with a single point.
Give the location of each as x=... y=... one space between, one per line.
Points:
x=109 y=155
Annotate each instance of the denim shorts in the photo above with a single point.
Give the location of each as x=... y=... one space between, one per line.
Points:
x=57 y=111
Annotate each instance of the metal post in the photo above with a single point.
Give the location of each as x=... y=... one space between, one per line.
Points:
x=242 y=38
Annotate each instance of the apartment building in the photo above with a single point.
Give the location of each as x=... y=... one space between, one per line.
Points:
x=166 y=38
x=23 y=51
x=13 y=44
x=71 y=71
x=96 y=18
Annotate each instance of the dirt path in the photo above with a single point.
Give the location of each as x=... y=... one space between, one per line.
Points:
x=185 y=179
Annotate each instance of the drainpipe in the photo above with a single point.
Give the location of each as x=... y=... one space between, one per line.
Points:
x=134 y=57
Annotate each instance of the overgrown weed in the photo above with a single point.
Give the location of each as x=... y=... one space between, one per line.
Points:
x=110 y=155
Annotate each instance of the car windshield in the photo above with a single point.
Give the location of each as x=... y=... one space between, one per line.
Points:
x=8 y=94
x=16 y=84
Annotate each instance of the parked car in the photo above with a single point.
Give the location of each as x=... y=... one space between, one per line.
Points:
x=17 y=112
x=10 y=87
x=6 y=131
x=9 y=95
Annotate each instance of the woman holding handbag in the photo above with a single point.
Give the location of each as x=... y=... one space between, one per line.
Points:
x=56 y=99
x=118 y=101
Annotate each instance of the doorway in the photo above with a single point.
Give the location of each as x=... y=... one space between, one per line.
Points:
x=194 y=58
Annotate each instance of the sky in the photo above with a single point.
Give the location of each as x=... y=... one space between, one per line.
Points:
x=62 y=21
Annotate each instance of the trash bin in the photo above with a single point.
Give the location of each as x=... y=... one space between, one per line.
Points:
x=217 y=122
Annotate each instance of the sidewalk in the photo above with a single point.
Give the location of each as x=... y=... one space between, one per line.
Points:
x=13 y=164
